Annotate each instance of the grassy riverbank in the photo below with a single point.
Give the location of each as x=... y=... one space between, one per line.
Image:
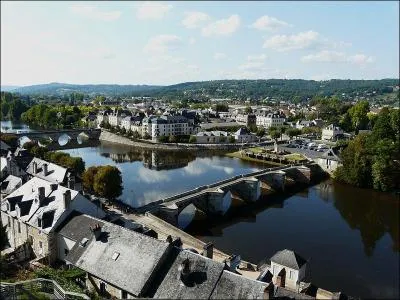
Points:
x=244 y=157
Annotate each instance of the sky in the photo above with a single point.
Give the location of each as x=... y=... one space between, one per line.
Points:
x=166 y=43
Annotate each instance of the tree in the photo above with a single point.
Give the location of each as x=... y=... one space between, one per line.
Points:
x=135 y=135
x=231 y=139
x=221 y=108
x=260 y=131
x=248 y=110
x=88 y=179
x=275 y=134
x=172 y=139
x=358 y=114
x=293 y=132
x=192 y=139
x=107 y=182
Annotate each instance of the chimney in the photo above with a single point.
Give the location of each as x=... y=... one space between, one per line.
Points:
x=34 y=167
x=184 y=269
x=9 y=165
x=71 y=181
x=67 y=198
x=96 y=230
x=208 y=250
x=45 y=171
x=53 y=187
x=41 y=196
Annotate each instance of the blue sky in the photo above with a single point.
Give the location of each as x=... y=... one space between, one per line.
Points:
x=172 y=42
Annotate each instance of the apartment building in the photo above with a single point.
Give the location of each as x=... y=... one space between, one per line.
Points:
x=275 y=119
x=165 y=126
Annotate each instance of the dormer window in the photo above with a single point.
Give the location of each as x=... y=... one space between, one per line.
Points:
x=40 y=222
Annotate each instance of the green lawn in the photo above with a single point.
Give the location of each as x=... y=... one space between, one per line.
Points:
x=294 y=157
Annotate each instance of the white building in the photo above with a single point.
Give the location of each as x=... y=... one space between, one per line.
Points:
x=211 y=137
x=275 y=119
x=331 y=132
x=243 y=135
x=166 y=126
x=33 y=211
x=116 y=117
x=329 y=161
x=288 y=269
x=133 y=123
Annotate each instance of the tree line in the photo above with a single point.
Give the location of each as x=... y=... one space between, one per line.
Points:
x=12 y=106
x=372 y=160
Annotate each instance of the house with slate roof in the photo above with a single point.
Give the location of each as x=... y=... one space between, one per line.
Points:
x=288 y=268
x=119 y=262
x=33 y=211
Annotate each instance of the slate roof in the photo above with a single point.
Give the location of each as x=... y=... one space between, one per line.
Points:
x=56 y=173
x=242 y=131
x=4 y=146
x=139 y=256
x=77 y=226
x=51 y=208
x=234 y=286
x=9 y=184
x=204 y=276
x=288 y=258
x=330 y=154
x=282 y=293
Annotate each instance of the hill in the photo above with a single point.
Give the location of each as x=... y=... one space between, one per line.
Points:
x=65 y=88
x=285 y=89
x=8 y=88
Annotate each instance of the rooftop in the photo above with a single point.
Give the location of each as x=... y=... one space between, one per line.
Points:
x=288 y=258
x=122 y=257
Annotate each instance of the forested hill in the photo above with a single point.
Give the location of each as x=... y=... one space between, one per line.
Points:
x=277 y=88
x=64 y=88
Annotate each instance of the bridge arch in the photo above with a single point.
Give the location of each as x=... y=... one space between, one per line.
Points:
x=63 y=139
x=23 y=139
x=82 y=138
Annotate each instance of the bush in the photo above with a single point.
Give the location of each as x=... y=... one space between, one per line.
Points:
x=172 y=139
x=192 y=139
x=231 y=139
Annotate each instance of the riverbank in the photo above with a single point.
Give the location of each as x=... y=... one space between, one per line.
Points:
x=244 y=157
x=118 y=139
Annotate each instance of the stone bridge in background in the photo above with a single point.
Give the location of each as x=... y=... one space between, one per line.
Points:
x=247 y=188
x=63 y=138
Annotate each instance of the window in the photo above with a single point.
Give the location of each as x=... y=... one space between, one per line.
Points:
x=30 y=239
x=40 y=244
x=66 y=251
x=124 y=295
x=19 y=227
x=9 y=221
x=40 y=222
x=291 y=274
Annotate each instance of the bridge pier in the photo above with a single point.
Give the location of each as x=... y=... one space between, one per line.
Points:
x=301 y=174
x=275 y=179
x=213 y=202
x=169 y=213
x=249 y=189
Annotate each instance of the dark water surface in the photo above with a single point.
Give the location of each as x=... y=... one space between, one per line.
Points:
x=349 y=235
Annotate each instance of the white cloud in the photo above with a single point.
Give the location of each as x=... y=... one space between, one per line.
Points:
x=194 y=19
x=268 y=23
x=192 y=41
x=219 y=56
x=222 y=27
x=151 y=176
x=260 y=57
x=338 y=57
x=252 y=66
x=162 y=43
x=150 y=10
x=301 y=40
x=93 y=12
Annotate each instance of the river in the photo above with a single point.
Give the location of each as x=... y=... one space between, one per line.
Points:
x=349 y=235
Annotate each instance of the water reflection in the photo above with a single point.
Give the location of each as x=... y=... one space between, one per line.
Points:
x=150 y=175
x=13 y=126
x=372 y=213
x=155 y=160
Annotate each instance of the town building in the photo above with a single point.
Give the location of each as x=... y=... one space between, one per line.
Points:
x=115 y=118
x=34 y=210
x=329 y=161
x=331 y=133
x=288 y=269
x=243 y=135
x=119 y=262
x=275 y=119
x=165 y=126
x=212 y=137
x=246 y=119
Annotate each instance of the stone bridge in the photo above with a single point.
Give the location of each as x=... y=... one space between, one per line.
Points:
x=247 y=188
x=65 y=137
